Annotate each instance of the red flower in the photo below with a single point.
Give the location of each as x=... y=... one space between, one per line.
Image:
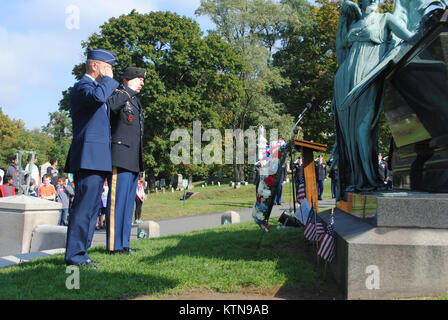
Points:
x=269 y=181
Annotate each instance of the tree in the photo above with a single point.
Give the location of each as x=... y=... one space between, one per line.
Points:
x=188 y=78
x=252 y=27
x=308 y=59
x=14 y=136
x=60 y=129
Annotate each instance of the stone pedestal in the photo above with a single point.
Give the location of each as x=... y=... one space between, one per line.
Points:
x=148 y=229
x=19 y=216
x=47 y=237
x=230 y=217
x=394 y=251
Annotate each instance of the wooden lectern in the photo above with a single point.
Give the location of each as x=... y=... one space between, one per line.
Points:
x=307 y=148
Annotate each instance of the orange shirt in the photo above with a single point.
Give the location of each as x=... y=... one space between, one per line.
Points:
x=46 y=191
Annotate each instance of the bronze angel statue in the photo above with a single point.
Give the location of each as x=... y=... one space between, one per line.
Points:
x=366 y=40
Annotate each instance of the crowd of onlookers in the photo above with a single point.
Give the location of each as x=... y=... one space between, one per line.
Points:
x=46 y=183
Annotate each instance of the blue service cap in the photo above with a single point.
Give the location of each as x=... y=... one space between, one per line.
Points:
x=101 y=55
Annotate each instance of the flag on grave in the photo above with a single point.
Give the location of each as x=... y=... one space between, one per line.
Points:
x=327 y=244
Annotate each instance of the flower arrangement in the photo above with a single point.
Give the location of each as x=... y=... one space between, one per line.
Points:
x=271 y=161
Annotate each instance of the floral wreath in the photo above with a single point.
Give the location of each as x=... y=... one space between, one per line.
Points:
x=273 y=159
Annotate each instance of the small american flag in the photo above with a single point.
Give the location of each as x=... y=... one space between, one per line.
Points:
x=301 y=190
x=310 y=228
x=320 y=231
x=326 y=245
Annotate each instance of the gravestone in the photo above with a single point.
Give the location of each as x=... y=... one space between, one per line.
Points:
x=148 y=229
x=230 y=217
x=179 y=182
x=162 y=183
x=190 y=182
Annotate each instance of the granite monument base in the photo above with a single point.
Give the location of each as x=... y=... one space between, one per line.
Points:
x=386 y=262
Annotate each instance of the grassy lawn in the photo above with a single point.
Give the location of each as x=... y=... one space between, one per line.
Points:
x=223 y=259
x=208 y=200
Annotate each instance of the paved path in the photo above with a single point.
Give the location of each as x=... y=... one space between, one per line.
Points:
x=167 y=227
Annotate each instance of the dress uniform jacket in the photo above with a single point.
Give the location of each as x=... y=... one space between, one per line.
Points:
x=90 y=148
x=127 y=148
x=89 y=159
x=321 y=171
x=127 y=130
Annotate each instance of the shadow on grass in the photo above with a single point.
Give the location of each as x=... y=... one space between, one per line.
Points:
x=233 y=254
x=46 y=279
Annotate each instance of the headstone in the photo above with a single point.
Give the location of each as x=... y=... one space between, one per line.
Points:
x=172 y=189
x=219 y=184
x=148 y=229
x=232 y=184
x=190 y=182
x=19 y=215
x=230 y=217
x=179 y=182
x=246 y=183
x=162 y=183
x=220 y=175
x=46 y=237
x=237 y=185
x=157 y=184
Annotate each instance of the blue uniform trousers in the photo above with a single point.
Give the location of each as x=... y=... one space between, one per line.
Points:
x=320 y=188
x=120 y=208
x=83 y=215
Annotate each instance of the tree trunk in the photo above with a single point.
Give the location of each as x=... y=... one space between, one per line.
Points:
x=152 y=179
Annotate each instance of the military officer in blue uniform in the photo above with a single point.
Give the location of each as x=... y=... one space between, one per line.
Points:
x=127 y=149
x=89 y=157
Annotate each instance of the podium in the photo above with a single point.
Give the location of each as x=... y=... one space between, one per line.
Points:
x=306 y=148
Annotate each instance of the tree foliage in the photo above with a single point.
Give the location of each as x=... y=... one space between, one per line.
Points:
x=189 y=78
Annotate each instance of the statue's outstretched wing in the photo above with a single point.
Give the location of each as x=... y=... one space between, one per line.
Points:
x=348 y=14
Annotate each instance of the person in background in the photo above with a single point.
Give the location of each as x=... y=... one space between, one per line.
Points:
x=100 y=223
x=7 y=189
x=32 y=191
x=64 y=192
x=140 y=197
x=321 y=175
x=13 y=172
x=53 y=171
x=2 y=173
x=34 y=169
x=278 y=195
x=47 y=190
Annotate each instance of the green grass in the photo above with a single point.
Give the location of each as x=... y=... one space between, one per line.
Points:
x=209 y=200
x=223 y=259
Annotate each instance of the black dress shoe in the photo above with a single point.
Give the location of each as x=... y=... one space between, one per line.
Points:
x=89 y=263
x=130 y=249
x=115 y=252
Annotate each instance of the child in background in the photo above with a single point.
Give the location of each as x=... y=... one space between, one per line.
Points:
x=47 y=190
x=7 y=189
x=140 y=197
x=100 y=224
x=63 y=196
x=32 y=191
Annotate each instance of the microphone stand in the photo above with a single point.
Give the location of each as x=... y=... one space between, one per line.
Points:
x=307 y=106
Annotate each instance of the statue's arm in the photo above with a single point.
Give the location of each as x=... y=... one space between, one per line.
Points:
x=398 y=27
